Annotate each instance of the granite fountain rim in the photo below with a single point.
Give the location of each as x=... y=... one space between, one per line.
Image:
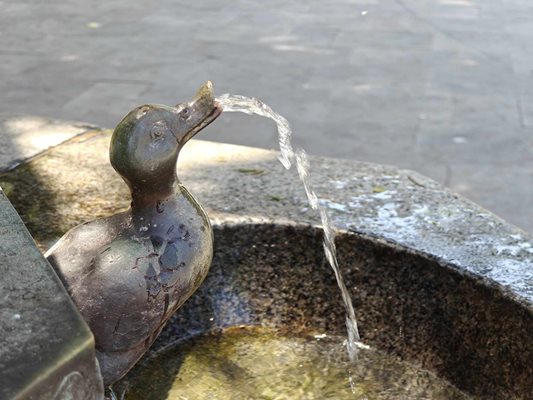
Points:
x=396 y=205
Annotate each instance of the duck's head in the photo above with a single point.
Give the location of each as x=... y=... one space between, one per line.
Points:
x=146 y=143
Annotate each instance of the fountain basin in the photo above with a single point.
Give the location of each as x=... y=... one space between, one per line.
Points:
x=435 y=279
x=410 y=305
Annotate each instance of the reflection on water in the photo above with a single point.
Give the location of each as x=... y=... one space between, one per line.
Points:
x=255 y=363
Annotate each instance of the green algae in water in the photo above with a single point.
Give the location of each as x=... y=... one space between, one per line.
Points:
x=252 y=363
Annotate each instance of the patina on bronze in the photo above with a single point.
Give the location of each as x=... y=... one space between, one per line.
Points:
x=128 y=273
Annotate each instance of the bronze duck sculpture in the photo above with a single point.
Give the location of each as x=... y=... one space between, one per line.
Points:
x=128 y=273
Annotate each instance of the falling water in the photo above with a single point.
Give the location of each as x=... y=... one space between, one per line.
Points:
x=249 y=105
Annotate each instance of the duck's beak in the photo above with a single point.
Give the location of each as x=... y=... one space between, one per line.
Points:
x=202 y=110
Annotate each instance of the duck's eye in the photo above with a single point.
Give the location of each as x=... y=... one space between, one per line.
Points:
x=185 y=113
x=158 y=130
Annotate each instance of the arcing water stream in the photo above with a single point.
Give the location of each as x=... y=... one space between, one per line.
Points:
x=249 y=105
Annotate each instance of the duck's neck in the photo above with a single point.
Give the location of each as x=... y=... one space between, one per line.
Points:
x=149 y=207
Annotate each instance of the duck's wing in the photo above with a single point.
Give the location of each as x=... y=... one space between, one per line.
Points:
x=73 y=255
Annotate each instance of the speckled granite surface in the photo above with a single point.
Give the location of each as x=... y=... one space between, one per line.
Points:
x=435 y=278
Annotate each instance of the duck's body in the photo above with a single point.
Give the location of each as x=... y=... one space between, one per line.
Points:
x=128 y=273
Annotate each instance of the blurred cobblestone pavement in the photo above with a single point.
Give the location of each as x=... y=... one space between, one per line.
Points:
x=444 y=87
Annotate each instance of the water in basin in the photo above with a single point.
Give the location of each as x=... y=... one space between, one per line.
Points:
x=256 y=363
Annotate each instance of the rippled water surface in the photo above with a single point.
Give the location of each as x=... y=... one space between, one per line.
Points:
x=255 y=363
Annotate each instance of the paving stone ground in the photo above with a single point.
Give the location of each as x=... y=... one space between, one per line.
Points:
x=444 y=87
